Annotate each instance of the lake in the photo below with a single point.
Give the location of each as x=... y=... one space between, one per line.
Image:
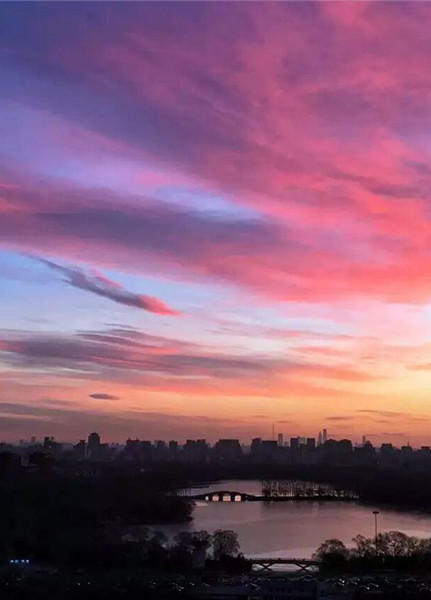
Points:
x=294 y=529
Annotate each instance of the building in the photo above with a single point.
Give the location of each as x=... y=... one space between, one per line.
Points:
x=294 y=444
x=49 y=442
x=366 y=455
x=255 y=445
x=138 y=450
x=93 y=440
x=280 y=439
x=338 y=453
x=311 y=443
x=269 y=450
x=80 y=450
x=93 y=445
x=228 y=449
x=195 y=451
x=324 y=436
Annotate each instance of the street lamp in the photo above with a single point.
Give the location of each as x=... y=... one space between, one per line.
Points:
x=375 y=513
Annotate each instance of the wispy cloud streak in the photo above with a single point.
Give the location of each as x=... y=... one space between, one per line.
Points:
x=100 y=285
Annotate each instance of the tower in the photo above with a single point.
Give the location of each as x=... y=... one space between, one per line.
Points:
x=93 y=440
x=93 y=445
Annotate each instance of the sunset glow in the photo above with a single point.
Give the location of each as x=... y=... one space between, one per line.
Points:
x=205 y=232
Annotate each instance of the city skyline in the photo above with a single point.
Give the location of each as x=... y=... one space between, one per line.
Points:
x=280 y=438
x=297 y=452
x=215 y=218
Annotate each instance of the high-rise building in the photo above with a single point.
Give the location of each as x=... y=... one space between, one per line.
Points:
x=294 y=444
x=256 y=443
x=269 y=450
x=49 y=442
x=93 y=446
x=80 y=450
x=319 y=439
x=138 y=450
x=311 y=443
x=196 y=451
x=228 y=449
x=324 y=436
x=93 y=440
x=364 y=440
x=280 y=439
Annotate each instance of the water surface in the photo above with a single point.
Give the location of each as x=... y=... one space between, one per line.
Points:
x=295 y=529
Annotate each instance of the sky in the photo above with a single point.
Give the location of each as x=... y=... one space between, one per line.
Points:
x=215 y=217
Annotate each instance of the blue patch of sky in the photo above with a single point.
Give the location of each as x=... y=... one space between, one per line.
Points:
x=36 y=140
x=37 y=299
x=209 y=204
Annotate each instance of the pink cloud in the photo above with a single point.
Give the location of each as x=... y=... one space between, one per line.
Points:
x=283 y=263
x=98 y=284
x=314 y=138
x=310 y=114
x=310 y=138
x=157 y=363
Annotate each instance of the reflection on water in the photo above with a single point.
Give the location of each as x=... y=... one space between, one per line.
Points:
x=294 y=529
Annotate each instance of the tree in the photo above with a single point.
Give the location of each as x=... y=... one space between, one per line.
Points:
x=225 y=543
x=187 y=541
x=333 y=554
x=158 y=538
x=201 y=540
x=396 y=544
x=331 y=547
x=183 y=541
x=155 y=547
x=365 y=547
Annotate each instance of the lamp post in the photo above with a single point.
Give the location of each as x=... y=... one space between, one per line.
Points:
x=375 y=513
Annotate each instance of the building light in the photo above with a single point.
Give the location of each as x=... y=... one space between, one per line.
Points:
x=17 y=561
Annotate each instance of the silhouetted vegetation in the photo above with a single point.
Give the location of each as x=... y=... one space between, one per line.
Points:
x=393 y=550
x=77 y=520
x=103 y=519
x=400 y=487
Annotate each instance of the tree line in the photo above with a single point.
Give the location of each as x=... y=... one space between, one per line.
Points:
x=69 y=520
x=393 y=550
x=185 y=551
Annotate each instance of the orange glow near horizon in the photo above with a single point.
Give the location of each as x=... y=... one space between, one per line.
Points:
x=215 y=218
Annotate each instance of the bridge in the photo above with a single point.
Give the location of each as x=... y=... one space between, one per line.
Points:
x=226 y=496
x=229 y=496
x=302 y=564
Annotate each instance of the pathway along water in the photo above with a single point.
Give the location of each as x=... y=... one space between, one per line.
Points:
x=294 y=529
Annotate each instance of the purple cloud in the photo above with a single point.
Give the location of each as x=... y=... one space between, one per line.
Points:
x=100 y=285
x=102 y=396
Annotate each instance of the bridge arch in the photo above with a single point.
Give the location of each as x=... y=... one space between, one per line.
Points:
x=223 y=496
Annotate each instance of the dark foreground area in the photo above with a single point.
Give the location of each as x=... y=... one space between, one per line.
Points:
x=142 y=584
x=90 y=530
